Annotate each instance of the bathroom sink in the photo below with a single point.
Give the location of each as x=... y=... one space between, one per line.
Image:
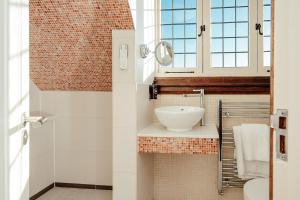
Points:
x=179 y=118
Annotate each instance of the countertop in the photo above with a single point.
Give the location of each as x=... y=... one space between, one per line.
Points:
x=158 y=130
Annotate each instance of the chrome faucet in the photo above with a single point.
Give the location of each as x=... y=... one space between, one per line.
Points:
x=201 y=95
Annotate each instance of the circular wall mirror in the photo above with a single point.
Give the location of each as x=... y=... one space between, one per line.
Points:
x=164 y=53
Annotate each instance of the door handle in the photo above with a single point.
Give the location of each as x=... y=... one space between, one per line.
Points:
x=35 y=120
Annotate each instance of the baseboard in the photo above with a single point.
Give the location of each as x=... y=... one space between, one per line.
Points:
x=70 y=185
x=43 y=191
x=83 y=186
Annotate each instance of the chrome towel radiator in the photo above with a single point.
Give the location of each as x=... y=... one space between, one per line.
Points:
x=231 y=114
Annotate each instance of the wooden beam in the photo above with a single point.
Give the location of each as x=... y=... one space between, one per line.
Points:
x=213 y=85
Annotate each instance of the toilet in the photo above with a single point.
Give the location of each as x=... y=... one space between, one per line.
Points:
x=257 y=189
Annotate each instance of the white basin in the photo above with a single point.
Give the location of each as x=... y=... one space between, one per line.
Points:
x=179 y=118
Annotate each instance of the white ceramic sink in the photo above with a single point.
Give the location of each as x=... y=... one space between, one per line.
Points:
x=179 y=118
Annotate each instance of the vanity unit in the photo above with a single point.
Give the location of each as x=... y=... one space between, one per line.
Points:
x=179 y=133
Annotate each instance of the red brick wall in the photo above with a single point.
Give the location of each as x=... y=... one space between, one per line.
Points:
x=70 y=42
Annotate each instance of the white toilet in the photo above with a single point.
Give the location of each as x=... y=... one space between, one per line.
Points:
x=257 y=189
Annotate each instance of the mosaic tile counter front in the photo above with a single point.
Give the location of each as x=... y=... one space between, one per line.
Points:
x=178 y=145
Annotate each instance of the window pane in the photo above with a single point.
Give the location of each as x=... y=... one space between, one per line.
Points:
x=229 y=14
x=190 y=4
x=216 y=45
x=216 y=15
x=216 y=30
x=241 y=44
x=242 y=14
x=267 y=58
x=178 y=16
x=179 y=27
x=166 y=17
x=229 y=33
x=229 y=45
x=216 y=3
x=267 y=32
x=267 y=43
x=229 y=59
x=178 y=46
x=242 y=29
x=267 y=12
x=178 y=31
x=166 y=31
x=229 y=3
x=166 y=4
x=217 y=60
x=241 y=2
x=242 y=59
x=229 y=30
x=178 y=4
x=179 y=60
x=267 y=28
x=190 y=16
x=190 y=60
x=190 y=31
x=190 y=46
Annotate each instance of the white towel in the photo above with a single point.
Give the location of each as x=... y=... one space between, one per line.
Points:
x=247 y=169
x=239 y=151
x=255 y=142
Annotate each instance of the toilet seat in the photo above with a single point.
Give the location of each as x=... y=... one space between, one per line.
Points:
x=257 y=189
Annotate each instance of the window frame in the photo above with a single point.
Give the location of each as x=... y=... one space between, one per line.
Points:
x=256 y=66
x=260 y=41
x=167 y=71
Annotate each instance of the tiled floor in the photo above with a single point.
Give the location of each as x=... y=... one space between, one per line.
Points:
x=76 y=194
x=85 y=194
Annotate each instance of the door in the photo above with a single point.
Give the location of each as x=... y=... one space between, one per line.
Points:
x=286 y=174
x=14 y=95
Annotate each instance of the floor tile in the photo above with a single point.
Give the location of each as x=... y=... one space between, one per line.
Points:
x=76 y=194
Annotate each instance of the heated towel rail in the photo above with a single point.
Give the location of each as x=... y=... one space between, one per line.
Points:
x=230 y=114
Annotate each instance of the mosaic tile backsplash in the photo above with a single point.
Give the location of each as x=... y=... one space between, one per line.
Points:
x=71 y=42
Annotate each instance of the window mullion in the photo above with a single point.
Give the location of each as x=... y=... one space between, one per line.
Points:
x=254 y=39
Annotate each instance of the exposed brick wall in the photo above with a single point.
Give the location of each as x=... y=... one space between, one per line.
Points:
x=71 y=42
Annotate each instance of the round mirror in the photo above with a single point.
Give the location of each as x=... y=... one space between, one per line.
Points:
x=164 y=53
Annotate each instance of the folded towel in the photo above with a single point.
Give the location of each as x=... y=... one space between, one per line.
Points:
x=255 y=142
x=247 y=169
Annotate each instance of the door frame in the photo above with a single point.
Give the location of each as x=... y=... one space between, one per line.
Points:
x=3 y=99
x=272 y=102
